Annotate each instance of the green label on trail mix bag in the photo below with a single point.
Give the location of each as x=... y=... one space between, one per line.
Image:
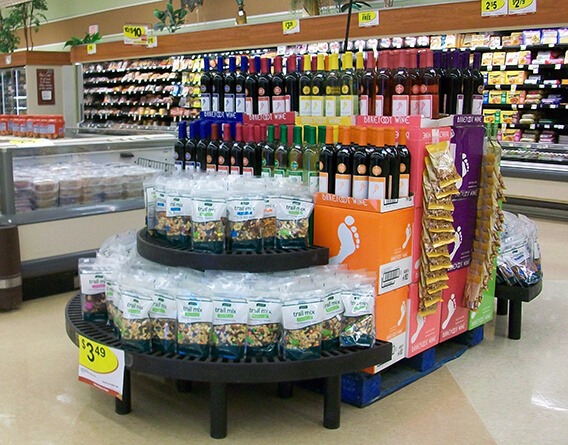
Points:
x=205 y=210
x=264 y=312
x=178 y=205
x=359 y=302
x=193 y=309
x=230 y=311
x=298 y=315
x=290 y=208
x=333 y=305
x=164 y=306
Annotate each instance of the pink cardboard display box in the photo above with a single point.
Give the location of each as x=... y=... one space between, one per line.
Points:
x=423 y=332
x=453 y=316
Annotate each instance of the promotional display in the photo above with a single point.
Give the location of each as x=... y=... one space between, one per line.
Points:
x=423 y=331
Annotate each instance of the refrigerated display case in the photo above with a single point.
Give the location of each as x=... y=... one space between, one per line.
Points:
x=14 y=91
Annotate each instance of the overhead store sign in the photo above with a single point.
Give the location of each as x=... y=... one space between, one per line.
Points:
x=135 y=34
x=368 y=18
x=290 y=26
x=493 y=8
x=522 y=7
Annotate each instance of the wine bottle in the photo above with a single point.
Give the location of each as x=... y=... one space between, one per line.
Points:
x=383 y=96
x=394 y=163
x=268 y=149
x=379 y=165
x=430 y=86
x=454 y=85
x=443 y=59
x=415 y=81
x=478 y=85
x=224 y=151
x=212 y=149
x=249 y=152
x=201 y=147
x=295 y=158
x=360 y=166
x=206 y=85
x=264 y=87
x=179 y=146
x=343 y=162
x=190 y=146
x=230 y=86
x=237 y=151
x=368 y=87
x=327 y=163
x=332 y=87
x=305 y=83
x=278 y=87
x=310 y=159
x=240 y=86
x=218 y=89
x=281 y=154
x=359 y=66
x=349 y=99
x=251 y=90
x=404 y=156
x=318 y=87
x=401 y=86
x=292 y=88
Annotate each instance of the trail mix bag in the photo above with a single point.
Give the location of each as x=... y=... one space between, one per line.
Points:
x=358 y=326
x=228 y=337
x=263 y=326
x=163 y=315
x=194 y=320
x=93 y=289
x=136 y=326
x=293 y=221
x=301 y=322
x=245 y=214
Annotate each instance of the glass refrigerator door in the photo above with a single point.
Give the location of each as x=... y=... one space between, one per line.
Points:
x=8 y=92
x=21 y=96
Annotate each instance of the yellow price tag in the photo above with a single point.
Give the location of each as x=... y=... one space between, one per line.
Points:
x=291 y=26
x=522 y=6
x=96 y=357
x=91 y=48
x=152 y=41
x=368 y=18
x=491 y=8
x=134 y=32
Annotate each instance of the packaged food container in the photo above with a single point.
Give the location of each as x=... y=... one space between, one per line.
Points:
x=45 y=185
x=42 y=196
x=3 y=125
x=45 y=203
x=69 y=200
x=71 y=182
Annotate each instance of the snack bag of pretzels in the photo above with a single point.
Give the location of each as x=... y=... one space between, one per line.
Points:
x=302 y=317
x=194 y=320
x=358 y=325
x=293 y=213
x=228 y=336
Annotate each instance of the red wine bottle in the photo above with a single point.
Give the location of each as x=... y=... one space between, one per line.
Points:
x=230 y=86
x=415 y=80
x=264 y=87
x=327 y=163
x=179 y=146
x=249 y=153
x=383 y=96
x=379 y=166
x=206 y=85
x=218 y=90
x=430 y=86
x=360 y=166
x=404 y=156
x=240 y=86
x=292 y=88
x=268 y=149
x=343 y=163
x=201 y=147
x=478 y=85
x=190 y=146
x=224 y=151
x=401 y=86
x=278 y=87
x=368 y=87
x=394 y=163
x=237 y=151
x=251 y=90
x=212 y=149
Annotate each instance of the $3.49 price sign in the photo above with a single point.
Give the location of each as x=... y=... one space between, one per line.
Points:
x=101 y=366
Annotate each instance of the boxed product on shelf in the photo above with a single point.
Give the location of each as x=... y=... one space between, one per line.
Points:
x=514 y=39
x=499 y=58
x=549 y=37
x=515 y=97
x=525 y=58
x=531 y=37
x=454 y=316
x=390 y=324
x=367 y=234
x=491 y=116
x=497 y=97
x=512 y=58
x=515 y=77
x=496 y=78
x=423 y=332
x=487 y=59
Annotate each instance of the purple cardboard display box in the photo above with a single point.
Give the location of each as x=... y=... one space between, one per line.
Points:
x=467 y=144
x=465 y=212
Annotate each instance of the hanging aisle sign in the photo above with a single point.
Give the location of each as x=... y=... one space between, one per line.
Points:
x=493 y=8
x=135 y=34
x=291 y=26
x=368 y=19
x=522 y=7
x=101 y=366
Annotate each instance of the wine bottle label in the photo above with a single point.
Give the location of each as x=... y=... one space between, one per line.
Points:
x=364 y=105
x=331 y=106
x=305 y=105
x=400 y=105
x=263 y=105
x=323 y=182
x=248 y=105
x=265 y=173
x=477 y=104
x=379 y=105
x=211 y=168
x=279 y=173
x=235 y=170
x=414 y=105
x=240 y=105
x=313 y=181
x=223 y=169
x=190 y=166
x=178 y=165
x=346 y=106
x=343 y=185
x=295 y=176
x=278 y=104
x=317 y=106
x=426 y=105
x=288 y=103
x=215 y=105
x=377 y=188
x=459 y=106
x=404 y=186
x=229 y=103
x=360 y=187
x=248 y=171
x=205 y=102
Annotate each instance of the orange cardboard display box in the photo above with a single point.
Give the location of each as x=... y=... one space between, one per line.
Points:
x=367 y=234
x=423 y=332
x=453 y=315
x=390 y=324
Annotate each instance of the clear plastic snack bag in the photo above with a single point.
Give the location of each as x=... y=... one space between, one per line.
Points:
x=194 y=320
x=269 y=218
x=178 y=213
x=229 y=332
x=150 y=198
x=208 y=221
x=333 y=315
x=163 y=315
x=358 y=327
x=136 y=326
x=293 y=221
x=302 y=319
x=245 y=213
x=264 y=326
x=160 y=214
x=93 y=289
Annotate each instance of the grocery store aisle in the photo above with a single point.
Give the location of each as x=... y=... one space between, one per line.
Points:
x=502 y=391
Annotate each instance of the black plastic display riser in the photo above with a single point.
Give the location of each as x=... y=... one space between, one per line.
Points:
x=160 y=251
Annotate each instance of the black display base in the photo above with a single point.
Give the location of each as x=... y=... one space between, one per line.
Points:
x=220 y=372
x=273 y=260
x=516 y=295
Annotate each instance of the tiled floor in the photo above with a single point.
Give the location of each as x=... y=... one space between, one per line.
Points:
x=502 y=391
